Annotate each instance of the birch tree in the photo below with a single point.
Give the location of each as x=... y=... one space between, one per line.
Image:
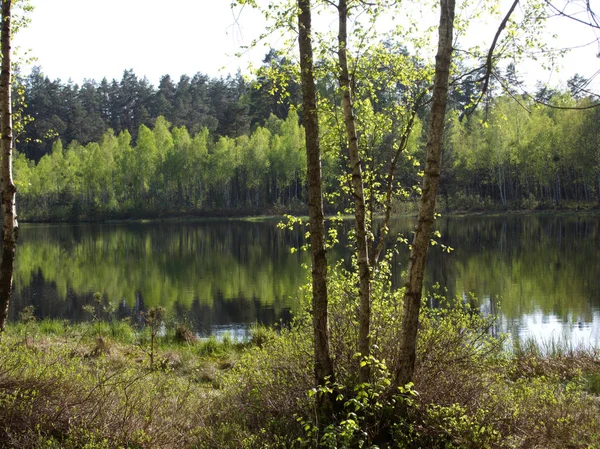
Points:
x=418 y=254
x=323 y=365
x=10 y=228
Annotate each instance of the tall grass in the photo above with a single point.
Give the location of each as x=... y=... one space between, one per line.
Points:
x=53 y=398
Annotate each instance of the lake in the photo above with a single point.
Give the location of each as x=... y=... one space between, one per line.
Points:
x=540 y=273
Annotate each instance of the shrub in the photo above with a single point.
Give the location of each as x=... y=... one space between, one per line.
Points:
x=260 y=335
x=261 y=394
x=469 y=390
x=183 y=334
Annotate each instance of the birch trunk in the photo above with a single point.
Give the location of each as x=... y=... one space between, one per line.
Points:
x=405 y=364
x=323 y=365
x=364 y=273
x=10 y=226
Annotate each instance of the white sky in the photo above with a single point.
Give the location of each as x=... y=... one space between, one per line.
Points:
x=79 y=39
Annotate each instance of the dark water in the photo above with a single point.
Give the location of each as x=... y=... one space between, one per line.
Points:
x=540 y=273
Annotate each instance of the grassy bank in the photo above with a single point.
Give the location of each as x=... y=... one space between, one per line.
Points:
x=105 y=385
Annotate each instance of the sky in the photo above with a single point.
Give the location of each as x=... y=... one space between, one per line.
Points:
x=93 y=39
x=81 y=39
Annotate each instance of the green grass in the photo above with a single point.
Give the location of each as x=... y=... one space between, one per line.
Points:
x=120 y=337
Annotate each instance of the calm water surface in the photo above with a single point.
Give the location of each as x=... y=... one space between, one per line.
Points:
x=541 y=274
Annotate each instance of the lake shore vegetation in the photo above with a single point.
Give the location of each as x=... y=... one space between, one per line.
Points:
x=94 y=385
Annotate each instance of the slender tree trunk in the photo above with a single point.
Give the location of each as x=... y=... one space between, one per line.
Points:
x=323 y=363
x=10 y=227
x=418 y=255
x=376 y=253
x=364 y=273
x=500 y=183
x=558 y=196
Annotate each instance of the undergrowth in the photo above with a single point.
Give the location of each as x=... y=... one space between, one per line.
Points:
x=93 y=385
x=469 y=390
x=107 y=384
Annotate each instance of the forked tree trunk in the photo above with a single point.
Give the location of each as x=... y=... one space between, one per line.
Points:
x=10 y=225
x=323 y=364
x=418 y=255
x=364 y=273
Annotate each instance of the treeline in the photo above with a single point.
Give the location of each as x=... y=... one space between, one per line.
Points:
x=229 y=106
x=230 y=146
x=520 y=154
x=166 y=169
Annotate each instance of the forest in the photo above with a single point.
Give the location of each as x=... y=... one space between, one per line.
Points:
x=229 y=146
x=348 y=125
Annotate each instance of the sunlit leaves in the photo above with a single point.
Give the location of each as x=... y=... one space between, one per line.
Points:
x=526 y=152
x=166 y=168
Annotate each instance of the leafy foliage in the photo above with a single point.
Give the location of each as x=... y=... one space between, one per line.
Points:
x=469 y=391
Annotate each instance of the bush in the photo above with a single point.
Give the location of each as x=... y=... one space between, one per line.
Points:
x=469 y=390
x=183 y=334
x=263 y=392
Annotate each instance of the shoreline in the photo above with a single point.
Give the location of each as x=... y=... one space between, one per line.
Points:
x=220 y=216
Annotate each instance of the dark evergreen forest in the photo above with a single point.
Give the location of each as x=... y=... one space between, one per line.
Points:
x=229 y=106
